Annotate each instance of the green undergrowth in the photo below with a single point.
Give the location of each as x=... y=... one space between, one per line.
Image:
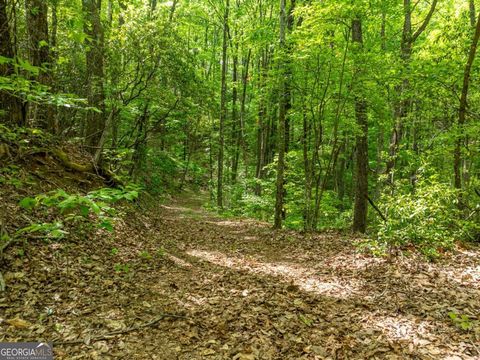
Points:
x=81 y=212
x=426 y=220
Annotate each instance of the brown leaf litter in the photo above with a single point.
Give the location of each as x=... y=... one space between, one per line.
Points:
x=242 y=292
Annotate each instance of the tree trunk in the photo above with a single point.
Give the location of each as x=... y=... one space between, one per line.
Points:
x=282 y=105
x=235 y=125
x=153 y=5
x=95 y=122
x=288 y=76
x=340 y=174
x=38 y=48
x=460 y=141
x=53 y=37
x=241 y=136
x=402 y=107
x=37 y=26
x=123 y=7
x=11 y=105
x=223 y=108
x=361 y=179
x=173 y=8
x=307 y=209
x=472 y=13
x=261 y=127
x=140 y=145
x=110 y=13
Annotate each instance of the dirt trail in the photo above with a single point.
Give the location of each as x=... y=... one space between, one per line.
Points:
x=246 y=291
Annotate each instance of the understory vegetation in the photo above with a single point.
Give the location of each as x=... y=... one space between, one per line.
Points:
x=311 y=115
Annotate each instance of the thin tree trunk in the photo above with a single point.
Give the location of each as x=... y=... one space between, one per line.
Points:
x=53 y=37
x=340 y=175
x=223 y=108
x=288 y=75
x=472 y=12
x=173 y=8
x=381 y=131
x=235 y=125
x=38 y=46
x=140 y=144
x=110 y=13
x=307 y=212
x=457 y=164
x=281 y=141
x=403 y=104
x=54 y=120
x=241 y=136
x=153 y=5
x=95 y=122
x=123 y=7
x=261 y=127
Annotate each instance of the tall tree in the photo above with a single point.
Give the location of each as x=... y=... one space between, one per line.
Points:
x=282 y=114
x=288 y=77
x=235 y=125
x=153 y=5
x=38 y=46
x=403 y=104
x=241 y=133
x=471 y=6
x=462 y=111
x=95 y=122
x=223 y=107
x=361 y=170
x=11 y=105
x=172 y=10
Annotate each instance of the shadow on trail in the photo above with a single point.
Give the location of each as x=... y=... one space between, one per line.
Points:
x=346 y=318
x=341 y=303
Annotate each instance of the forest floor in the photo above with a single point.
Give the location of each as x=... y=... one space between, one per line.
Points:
x=240 y=290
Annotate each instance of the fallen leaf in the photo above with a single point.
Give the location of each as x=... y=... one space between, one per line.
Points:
x=243 y=356
x=18 y=323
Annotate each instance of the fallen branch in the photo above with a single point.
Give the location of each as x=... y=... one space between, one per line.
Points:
x=376 y=209
x=119 y=332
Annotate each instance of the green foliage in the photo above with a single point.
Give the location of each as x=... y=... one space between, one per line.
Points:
x=145 y=255
x=10 y=175
x=425 y=219
x=243 y=202
x=161 y=91
x=462 y=321
x=50 y=230
x=111 y=195
x=122 y=268
x=23 y=87
x=331 y=215
x=161 y=252
x=94 y=208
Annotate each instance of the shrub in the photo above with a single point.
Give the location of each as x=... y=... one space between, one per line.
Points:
x=94 y=208
x=426 y=219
